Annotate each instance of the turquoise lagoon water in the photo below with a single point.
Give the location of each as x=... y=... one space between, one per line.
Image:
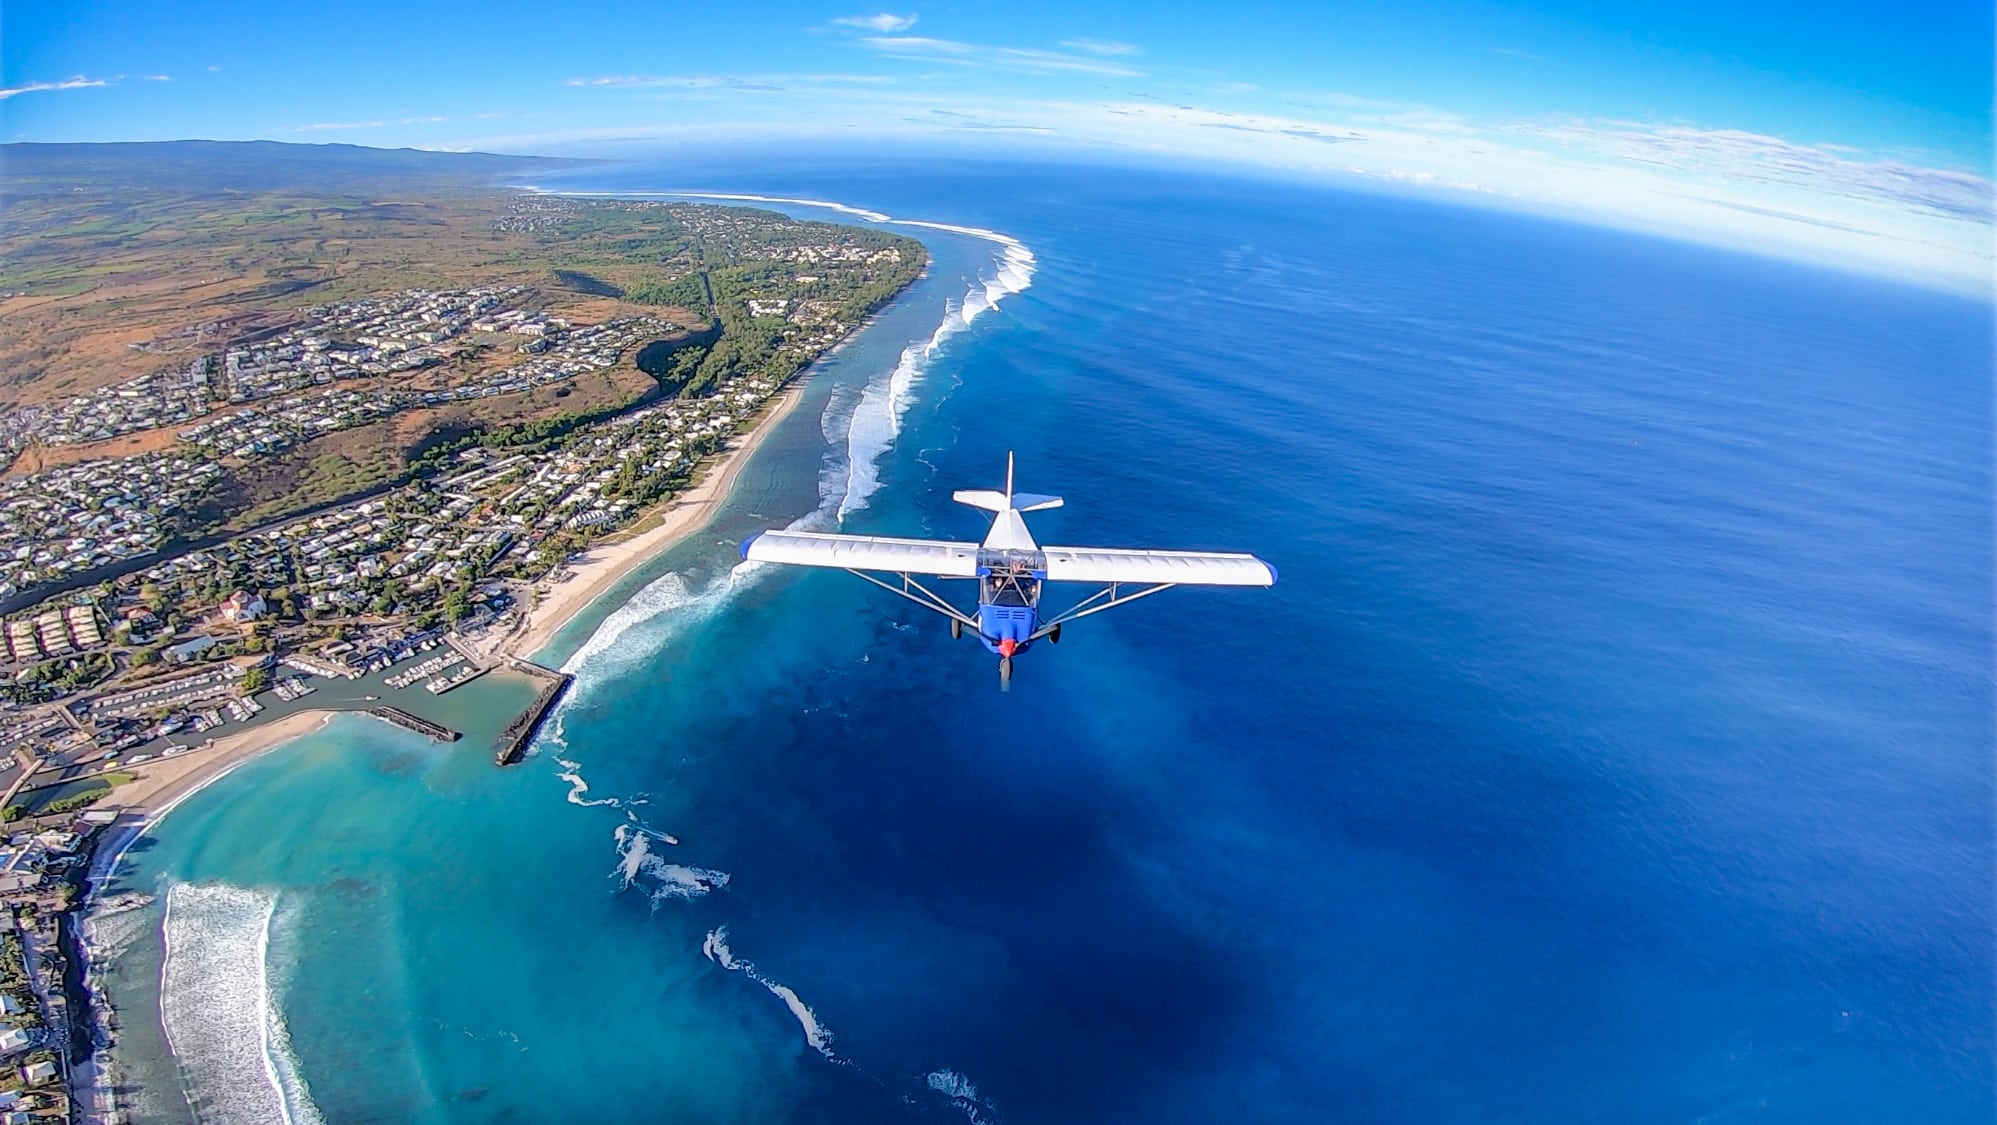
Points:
x=1617 y=745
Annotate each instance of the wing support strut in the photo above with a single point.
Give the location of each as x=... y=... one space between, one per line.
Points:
x=919 y=594
x=1109 y=597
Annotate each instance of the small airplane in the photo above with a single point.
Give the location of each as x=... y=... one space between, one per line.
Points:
x=1011 y=570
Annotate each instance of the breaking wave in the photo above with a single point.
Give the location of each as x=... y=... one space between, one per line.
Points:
x=636 y=860
x=877 y=417
x=666 y=600
x=875 y=420
x=112 y=923
x=217 y=1009
x=815 y=1033
x=664 y=594
x=962 y=1093
x=861 y=426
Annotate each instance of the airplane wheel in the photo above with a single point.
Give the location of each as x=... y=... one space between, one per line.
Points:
x=1005 y=670
x=956 y=629
x=1054 y=635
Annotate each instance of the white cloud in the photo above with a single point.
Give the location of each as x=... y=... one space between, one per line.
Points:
x=884 y=23
x=1737 y=155
x=1100 y=46
x=1026 y=60
x=1810 y=202
x=763 y=83
x=77 y=83
x=1726 y=187
x=159 y=77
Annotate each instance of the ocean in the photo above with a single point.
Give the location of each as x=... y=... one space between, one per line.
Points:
x=1617 y=744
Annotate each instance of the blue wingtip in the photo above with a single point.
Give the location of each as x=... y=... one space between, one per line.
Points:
x=1270 y=565
x=749 y=540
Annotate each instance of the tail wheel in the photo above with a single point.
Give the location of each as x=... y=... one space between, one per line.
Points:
x=1005 y=670
x=1054 y=635
x=956 y=629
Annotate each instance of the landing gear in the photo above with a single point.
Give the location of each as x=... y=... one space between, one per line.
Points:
x=1005 y=672
x=1054 y=635
x=956 y=629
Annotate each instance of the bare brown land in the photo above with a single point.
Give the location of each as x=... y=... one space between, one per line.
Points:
x=104 y=278
x=101 y=276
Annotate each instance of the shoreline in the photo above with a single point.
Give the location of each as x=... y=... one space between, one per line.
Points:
x=141 y=803
x=609 y=563
x=158 y=787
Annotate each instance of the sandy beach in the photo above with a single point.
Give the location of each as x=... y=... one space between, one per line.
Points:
x=158 y=785
x=605 y=564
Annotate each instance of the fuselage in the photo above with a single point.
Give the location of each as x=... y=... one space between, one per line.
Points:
x=1009 y=582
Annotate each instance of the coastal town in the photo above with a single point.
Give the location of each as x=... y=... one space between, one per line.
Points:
x=140 y=630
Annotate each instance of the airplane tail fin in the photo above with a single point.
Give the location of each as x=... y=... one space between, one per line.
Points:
x=992 y=500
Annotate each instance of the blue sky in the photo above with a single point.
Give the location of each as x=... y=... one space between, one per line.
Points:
x=1857 y=133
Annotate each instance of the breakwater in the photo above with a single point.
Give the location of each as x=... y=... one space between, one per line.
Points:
x=417 y=723
x=518 y=733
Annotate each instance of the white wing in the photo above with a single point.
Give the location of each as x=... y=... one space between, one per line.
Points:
x=1180 y=568
x=864 y=552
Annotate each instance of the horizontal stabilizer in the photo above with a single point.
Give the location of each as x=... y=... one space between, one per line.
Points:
x=992 y=500
x=1179 y=568
x=864 y=552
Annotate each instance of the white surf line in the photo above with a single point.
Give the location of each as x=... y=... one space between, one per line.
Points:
x=815 y=1033
x=877 y=418
x=738 y=197
x=674 y=881
x=963 y=1094
x=870 y=430
x=570 y=773
x=217 y=1011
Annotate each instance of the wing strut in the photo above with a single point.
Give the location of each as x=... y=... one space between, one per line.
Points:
x=1109 y=597
x=919 y=594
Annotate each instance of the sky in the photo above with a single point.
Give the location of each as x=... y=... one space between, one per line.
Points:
x=1855 y=134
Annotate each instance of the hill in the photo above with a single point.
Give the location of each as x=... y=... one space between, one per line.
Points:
x=200 y=167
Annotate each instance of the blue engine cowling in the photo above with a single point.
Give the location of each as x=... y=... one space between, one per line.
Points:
x=999 y=623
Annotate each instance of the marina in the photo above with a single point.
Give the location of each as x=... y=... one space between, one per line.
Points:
x=458 y=678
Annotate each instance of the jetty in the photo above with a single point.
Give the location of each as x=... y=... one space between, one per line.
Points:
x=521 y=731
x=417 y=723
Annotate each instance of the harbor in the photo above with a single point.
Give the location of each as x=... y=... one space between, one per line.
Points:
x=443 y=708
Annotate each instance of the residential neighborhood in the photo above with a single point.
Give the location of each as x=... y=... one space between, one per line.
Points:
x=75 y=517
x=147 y=638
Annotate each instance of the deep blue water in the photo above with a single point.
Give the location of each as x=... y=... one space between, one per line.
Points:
x=1616 y=746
